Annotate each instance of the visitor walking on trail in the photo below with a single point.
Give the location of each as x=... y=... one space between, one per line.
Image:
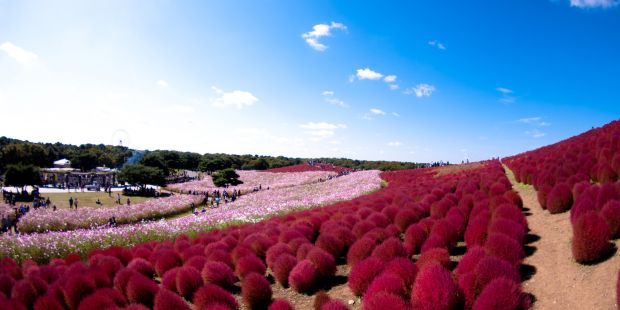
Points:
x=70 y=202
x=76 y=203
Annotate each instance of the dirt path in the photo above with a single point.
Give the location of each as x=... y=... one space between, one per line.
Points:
x=558 y=282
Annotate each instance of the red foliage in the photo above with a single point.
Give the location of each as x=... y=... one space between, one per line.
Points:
x=476 y=232
x=6 y=284
x=188 y=280
x=434 y=288
x=332 y=244
x=435 y=256
x=196 y=261
x=490 y=268
x=320 y=299
x=508 y=228
x=47 y=302
x=387 y=282
x=219 y=274
x=363 y=273
x=169 y=280
x=389 y=249
x=303 y=276
x=559 y=199
x=247 y=264
x=280 y=304
x=404 y=268
x=434 y=242
x=414 y=238
x=325 y=263
x=303 y=250
x=590 y=238
x=105 y=298
x=334 y=305
x=581 y=206
x=220 y=256
x=121 y=278
x=362 y=227
x=607 y=192
x=282 y=268
x=499 y=294
x=275 y=251
x=470 y=260
x=26 y=294
x=142 y=290
x=404 y=218
x=361 y=249
x=611 y=214
x=385 y=300
x=108 y=264
x=256 y=291
x=75 y=289
x=166 y=299
x=166 y=260
x=211 y=295
x=505 y=247
x=142 y=266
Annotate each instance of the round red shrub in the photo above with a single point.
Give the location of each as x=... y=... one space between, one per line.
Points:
x=103 y=299
x=559 y=199
x=607 y=192
x=590 y=238
x=435 y=256
x=440 y=208
x=99 y=277
x=220 y=256
x=247 y=264
x=508 y=228
x=363 y=273
x=142 y=266
x=188 y=280
x=414 y=238
x=334 y=305
x=282 y=268
x=219 y=274
x=196 y=261
x=280 y=304
x=389 y=249
x=505 y=247
x=166 y=299
x=77 y=288
x=362 y=227
x=303 y=250
x=434 y=288
x=361 y=249
x=303 y=276
x=332 y=244
x=467 y=285
x=26 y=294
x=387 y=282
x=379 y=219
x=169 y=280
x=256 y=291
x=490 y=268
x=470 y=260
x=404 y=218
x=142 y=290
x=320 y=299
x=166 y=260
x=211 y=295
x=581 y=206
x=404 y=268
x=476 y=232
x=385 y=300
x=325 y=263
x=6 y=284
x=611 y=214
x=275 y=251
x=121 y=278
x=240 y=251
x=47 y=302
x=434 y=242
x=499 y=294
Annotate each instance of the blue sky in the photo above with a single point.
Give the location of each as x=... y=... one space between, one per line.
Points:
x=411 y=80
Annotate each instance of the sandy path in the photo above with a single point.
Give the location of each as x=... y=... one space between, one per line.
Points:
x=558 y=282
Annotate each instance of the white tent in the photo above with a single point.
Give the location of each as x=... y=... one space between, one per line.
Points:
x=62 y=163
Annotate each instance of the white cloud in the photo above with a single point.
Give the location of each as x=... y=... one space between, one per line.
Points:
x=395 y=114
x=594 y=3
x=321 y=130
x=328 y=93
x=504 y=90
x=368 y=74
x=162 y=83
x=394 y=87
x=535 y=133
x=421 y=90
x=437 y=44
x=395 y=143
x=329 y=98
x=507 y=97
x=21 y=55
x=390 y=79
x=377 y=111
x=236 y=98
x=319 y=31
x=534 y=121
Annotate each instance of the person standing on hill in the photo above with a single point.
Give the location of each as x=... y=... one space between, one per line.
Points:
x=76 y=203
x=70 y=202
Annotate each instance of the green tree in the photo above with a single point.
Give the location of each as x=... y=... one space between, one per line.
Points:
x=25 y=154
x=22 y=175
x=225 y=177
x=85 y=161
x=156 y=160
x=142 y=175
x=256 y=164
x=214 y=164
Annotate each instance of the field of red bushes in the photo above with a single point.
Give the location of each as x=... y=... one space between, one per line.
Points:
x=399 y=242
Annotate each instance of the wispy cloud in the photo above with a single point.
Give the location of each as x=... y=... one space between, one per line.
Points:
x=534 y=121
x=437 y=44
x=394 y=87
x=586 y=4
x=162 y=83
x=507 y=95
x=390 y=79
x=236 y=98
x=19 y=54
x=535 y=133
x=321 y=130
x=394 y=143
x=377 y=111
x=328 y=95
x=395 y=114
x=368 y=74
x=319 y=31
x=421 y=90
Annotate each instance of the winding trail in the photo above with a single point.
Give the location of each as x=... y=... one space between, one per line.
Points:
x=556 y=280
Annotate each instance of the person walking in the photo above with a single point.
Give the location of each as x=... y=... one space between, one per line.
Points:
x=76 y=203
x=70 y=202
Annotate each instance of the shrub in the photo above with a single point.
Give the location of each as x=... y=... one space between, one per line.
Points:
x=211 y=294
x=275 y=251
x=256 y=291
x=362 y=227
x=435 y=256
x=320 y=299
x=75 y=289
x=219 y=274
x=280 y=304
x=434 y=288
x=404 y=268
x=332 y=244
x=361 y=249
x=611 y=214
x=404 y=218
x=590 y=238
x=363 y=273
x=303 y=276
x=99 y=277
x=6 y=284
x=108 y=264
x=581 y=206
x=579 y=188
x=166 y=299
x=240 y=251
x=467 y=285
x=499 y=294
x=303 y=251
x=387 y=282
x=490 y=268
x=188 y=280
x=25 y=293
x=103 y=299
x=169 y=280
x=508 y=228
x=334 y=305
x=250 y=263
x=505 y=247
x=389 y=249
x=385 y=300
x=325 y=263
x=476 y=232
x=379 y=220
x=607 y=192
x=167 y=260
x=470 y=260
x=196 y=261
x=434 y=242
x=414 y=238
x=220 y=256
x=141 y=289
x=282 y=268
x=559 y=199
x=142 y=266
x=47 y=302
x=121 y=278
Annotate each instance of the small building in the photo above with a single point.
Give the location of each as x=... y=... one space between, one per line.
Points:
x=62 y=163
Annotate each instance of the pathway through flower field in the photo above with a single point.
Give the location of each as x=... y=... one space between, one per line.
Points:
x=558 y=282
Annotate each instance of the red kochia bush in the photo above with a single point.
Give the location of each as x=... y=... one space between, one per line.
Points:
x=433 y=289
x=361 y=249
x=188 y=280
x=559 y=199
x=105 y=298
x=404 y=268
x=470 y=260
x=255 y=291
x=476 y=232
x=611 y=214
x=169 y=280
x=363 y=273
x=282 y=268
x=47 y=302
x=435 y=256
x=389 y=249
x=141 y=289
x=142 y=266
x=325 y=263
x=490 y=268
x=166 y=299
x=196 y=261
x=508 y=228
x=590 y=238
x=303 y=277
x=76 y=288
x=414 y=238
x=219 y=274
x=275 y=251
x=121 y=278
x=6 y=284
x=166 y=260
x=385 y=300
x=332 y=244
x=25 y=293
x=404 y=218
x=280 y=304
x=499 y=294
x=387 y=282
x=250 y=263
x=334 y=305
x=505 y=247
x=618 y=289
x=320 y=299
x=211 y=295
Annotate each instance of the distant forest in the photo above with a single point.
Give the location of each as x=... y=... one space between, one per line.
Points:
x=88 y=156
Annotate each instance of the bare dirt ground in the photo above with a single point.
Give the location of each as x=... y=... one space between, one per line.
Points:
x=555 y=279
